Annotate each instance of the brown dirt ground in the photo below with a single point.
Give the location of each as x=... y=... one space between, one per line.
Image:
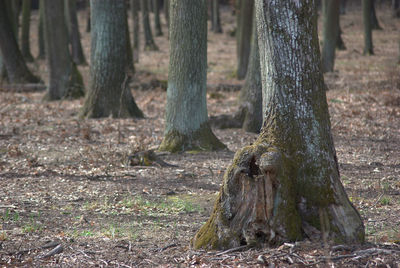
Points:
x=66 y=180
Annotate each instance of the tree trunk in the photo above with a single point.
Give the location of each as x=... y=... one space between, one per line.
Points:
x=3 y=72
x=65 y=81
x=215 y=17
x=374 y=19
x=157 y=24
x=14 y=8
x=396 y=8
x=26 y=18
x=186 y=124
x=88 y=22
x=129 y=53
x=339 y=41
x=148 y=36
x=330 y=8
x=368 y=46
x=166 y=12
x=135 y=20
x=109 y=93
x=73 y=29
x=41 y=45
x=243 y=36
x=343 y=7
x=14 y=62
x=250 y=98
x=286 y=185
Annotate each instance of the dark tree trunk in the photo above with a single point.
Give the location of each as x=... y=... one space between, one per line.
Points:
x=186 y=123
x=14 y=9
x=396 y=8
x=166 y=12
x=148 y=36
x=14 y=62
x=65 y=81
x=75 y=36
x=343 y=7
x=339 y=41
x=26 y=18
x=135 y=20
x=285 y=186
x=41 y=45
x=368 y=46
x=129 y=53
x=157 y=24
x=3 y=72
x=109 y=93
x=374 y=19
x=215 y=17
x=330 y=9
x=243 y=36
x=88 y=22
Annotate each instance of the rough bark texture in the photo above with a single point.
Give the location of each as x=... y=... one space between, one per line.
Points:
x=186 y=126
x=13 y=60
x=330 y=9
x=148 y=36
x=135 y=21
x=75 y=37
x=41 y=45
x=26 y=18
x=215 y=17
x=243 y=36
x=368 y=46
x=286 y=186
x=108 y=93
x=157 y=23
x=65 y=81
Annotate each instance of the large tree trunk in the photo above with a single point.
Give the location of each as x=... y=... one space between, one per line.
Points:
x=26 y=18
x=148 y=36
x=243 y=36
x=73 y=29
x=65 y=81
x=157 y=23
x=186 y=124
x=41 y=45
x=215 y=17
x=366 y=8
x=286 y=186
x=135 y=21
x=330 y=9
x=109 y=93
x=14 y=62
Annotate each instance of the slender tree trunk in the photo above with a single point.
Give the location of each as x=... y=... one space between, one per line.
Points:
x=135 y=5
x=26 y=18
x=14 y=9
x=129 y=53
x=285 y=186
x=65 y=81
x=186 y=124
x=41 y=45
x=148 y=36
x=243 y=36
x=3 y=72
x=88 y=22
x=166 y=11
x=109 y=93
x=14 y=62
x=215 y=17
x=343 y=4
x=368 y=46
x=73 y=29
x=339 y=41
x=374 y=19
x=157 y=24
x=396 y=8
x=330 y=18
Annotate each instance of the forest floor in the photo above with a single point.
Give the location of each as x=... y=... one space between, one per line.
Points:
x=67 y=182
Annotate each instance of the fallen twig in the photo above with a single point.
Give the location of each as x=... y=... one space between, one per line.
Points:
x=232 y=250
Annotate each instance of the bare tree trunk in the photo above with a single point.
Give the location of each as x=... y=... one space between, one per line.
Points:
x=157 y=24
x=73 y=29
x=41 y=45
x=215 y=17
x=135 y=5
x=374 y=19
x=330 y=9
x=26 y=18
x=368 y=46
x=148 y=36
x=243 y=36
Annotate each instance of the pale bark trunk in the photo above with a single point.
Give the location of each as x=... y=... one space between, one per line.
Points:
x=286 y=186
x=330 y=26
x=186 y=124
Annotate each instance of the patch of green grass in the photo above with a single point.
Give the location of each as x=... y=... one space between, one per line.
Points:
x=385 y=201
x=33 y=225
x=336 y=101
x=9 y=216
x=86 y=233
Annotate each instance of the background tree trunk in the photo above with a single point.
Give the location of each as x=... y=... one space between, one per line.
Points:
x=339 y=41
x=215 y=17
x=330 y=9
x=157 y=24
x=135 y=21
x=3 y=72
x=166 y=12
x=41 y=45
x=186 y=124
x=109 y=93
x=243 y=36
x=343 y=7
x=73 y=29
x=88 y=22
x=26 y=18
x=65 y=81
x=396 y=8
x=148 y=36
x=374 y=19
x=17 y=70
x=366 y=8
x=286 y=185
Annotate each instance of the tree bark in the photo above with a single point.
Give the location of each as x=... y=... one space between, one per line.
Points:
x=14 y=62
x=286 y=185
x=396 y=8
x=374 y=19
x=75 y=37
x=135 y=21
x=65 y=81
x=26 y=18
x=109 y=94
x=41 y=45
x=339 y=41
x=157 y=24
x=148 y=36
x=343 y=4
x=330 y=9
x=366 y=8
x=166 y=12
x=215 y=17
x=243 y=36
x=186 y=124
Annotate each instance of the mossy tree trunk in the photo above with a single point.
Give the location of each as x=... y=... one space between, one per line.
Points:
x=157 y=23
x=135 y=5
x=148 y=35
x=13 y=60
x=108 y=93
x=286 y=186
x=186 y=124
x=243 y=36
x=25 y=27
x=41 y=45
x=366 y=9
x=65 y=81
x=215 y=17
x=330 y=17
x=73 y=28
